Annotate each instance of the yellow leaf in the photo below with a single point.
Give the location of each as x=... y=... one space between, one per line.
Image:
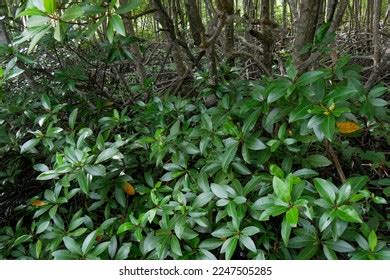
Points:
x=128 y=188
x=38 y=203
x=347 y=127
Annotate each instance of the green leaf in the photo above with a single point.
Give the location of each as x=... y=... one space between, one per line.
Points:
x=191 y=149
x=275 y=95
x=326 y=189
x=378 y=91
x=340 y=246
x=372 y=241
x=285 y=231
x=120 y=196
x=329 y=253
x=50 y=6
x=292 y=216
x=348 y=214
x=48 y=175
x=118 y=25
x=106 y=154
x=207 y=122
x=72 y=245
x=42 y=227
x=254 y=183
x=251 y=121
x=239 y=200
x=22 y=239
x=100 y=248
x=37 y=37
x=88 y=242
x=34 y=11
x=96 y=170
x=306 y=173
x=309 y=77
x=378 y=102
x=357 y=183
x=248 y=243
x=276 y=171
x=343 y=194
x=57 y=32
x=202 y=199
x=123 y=252
x=383 y=255
x=222 y=233
x=328 y=127
x=211 y=244
x=249 y=231
x=229 y=247
x=281 y=189
x=274 y=210
x=219 y=191
x=291 y=71
x=301 y=241
x=38 y=248
x=341 y=94
x=326 y=219
x=72 y=13
x=83 y=181
x=308 y=252
x=125 y=227
x=273 y=117
x=63 y=255
x=229 y=155
x=132 y=5
x=241 y=168
x=175 y=246
x=72 y=118
x=45 y=101
x=300 y=112
x=255 y=144
x=317 y=161
x=29 y=145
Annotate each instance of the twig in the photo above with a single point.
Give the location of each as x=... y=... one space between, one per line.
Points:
x=336 y=161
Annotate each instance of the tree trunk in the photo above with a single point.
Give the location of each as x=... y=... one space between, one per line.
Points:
x=305 y=29
x=134 y=49
x=330 y=9
x=387 y=15
x=377 y=5
x=321 y=13
x=169 y=29
x=229 y=34
x=4 y=39
x=284 y=17
x=195 y=20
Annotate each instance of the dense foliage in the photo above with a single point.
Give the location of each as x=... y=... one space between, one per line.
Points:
x=286 y=167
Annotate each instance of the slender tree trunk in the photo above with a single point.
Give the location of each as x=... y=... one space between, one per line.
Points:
x=195 y=20
x=335 y=23
x=378 y=62
x=273 y=2
x=387 y=15
x=4 y=39
x=305 y=29
x=330 y=9
x=268 y=40
x=284 y=17
x=321 y=13
x=135 y=50
x=229 y=35
x=357 y=15
x=169 y=29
